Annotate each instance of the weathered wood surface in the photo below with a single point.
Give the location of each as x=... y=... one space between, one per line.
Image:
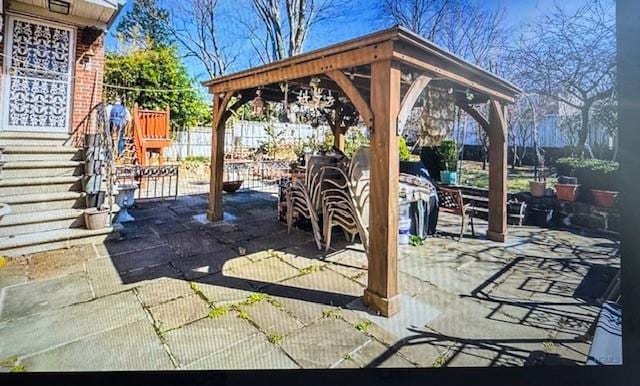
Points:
x=382 y=288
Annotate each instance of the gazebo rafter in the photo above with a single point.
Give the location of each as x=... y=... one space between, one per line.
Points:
x=397 y=66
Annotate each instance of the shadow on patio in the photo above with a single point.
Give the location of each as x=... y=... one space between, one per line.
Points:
x=178 y=292
x=544 y=282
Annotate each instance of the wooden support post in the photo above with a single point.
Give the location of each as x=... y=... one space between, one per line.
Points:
x=497 y=172
x=381 y=294
x=338 y=138
x=215 y=213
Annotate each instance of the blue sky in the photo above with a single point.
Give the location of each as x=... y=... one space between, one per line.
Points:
x=362 y=19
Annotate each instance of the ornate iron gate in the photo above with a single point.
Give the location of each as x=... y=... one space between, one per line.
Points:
x=38 y=71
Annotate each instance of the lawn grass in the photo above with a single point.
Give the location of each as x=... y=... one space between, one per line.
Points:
x=517 y=180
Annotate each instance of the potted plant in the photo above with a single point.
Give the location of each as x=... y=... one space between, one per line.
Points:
x=449 y=152
x=566 y=192
x=599 y=177
x=604 y=190
x=567 y=188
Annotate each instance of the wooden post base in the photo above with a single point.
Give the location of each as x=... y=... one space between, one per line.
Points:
x=497 y=236
x=386 y=307
x=211 y=216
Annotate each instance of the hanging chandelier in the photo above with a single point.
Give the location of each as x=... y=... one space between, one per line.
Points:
x=315 y=97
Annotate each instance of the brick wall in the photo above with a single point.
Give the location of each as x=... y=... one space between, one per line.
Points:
x=87 y=86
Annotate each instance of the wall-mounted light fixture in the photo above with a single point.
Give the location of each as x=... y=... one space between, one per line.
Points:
x=85 y=59
x=59 y=6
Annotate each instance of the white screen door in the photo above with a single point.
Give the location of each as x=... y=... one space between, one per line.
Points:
x=37 y=76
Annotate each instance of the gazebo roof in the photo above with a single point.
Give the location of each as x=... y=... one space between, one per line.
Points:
x=382 y=76
x=414 y=53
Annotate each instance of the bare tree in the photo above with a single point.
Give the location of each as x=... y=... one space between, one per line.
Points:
x=571 y=58
x=424 y=17
x=286 y=24
x=194 y=26
x=464 y=27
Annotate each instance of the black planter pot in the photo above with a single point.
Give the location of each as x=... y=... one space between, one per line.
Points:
x=539 y=216
x=95 y=200
x=415 y=168
x=432 y=161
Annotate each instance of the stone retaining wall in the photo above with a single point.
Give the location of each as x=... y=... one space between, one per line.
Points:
x=579 y=214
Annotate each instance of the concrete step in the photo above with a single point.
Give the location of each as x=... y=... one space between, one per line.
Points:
x=14 y=186
x=25 y=203
x=31 y=222
x=31 y=169
x=14 y=153
x=26 y=138
x=55 y=239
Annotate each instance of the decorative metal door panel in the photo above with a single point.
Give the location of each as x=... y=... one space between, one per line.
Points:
x=37 y=76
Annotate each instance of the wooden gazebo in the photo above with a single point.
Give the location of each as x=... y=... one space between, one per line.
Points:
x=381 y=75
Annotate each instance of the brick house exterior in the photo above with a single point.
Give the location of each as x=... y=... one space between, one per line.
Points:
x=88 y=82
x=88 y=50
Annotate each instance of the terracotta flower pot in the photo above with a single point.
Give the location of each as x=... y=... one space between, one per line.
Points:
x=537 y=188
x=604 y=198
x=566 y=192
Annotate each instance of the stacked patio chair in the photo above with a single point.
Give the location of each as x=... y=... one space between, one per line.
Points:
x=303 y=196
x=345 y=200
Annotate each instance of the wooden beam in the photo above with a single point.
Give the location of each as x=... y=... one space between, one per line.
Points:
x=382 y=287
x=443 y=73
x=408 y=102
x=363 y=41
x=475 y=114
x=352 y=58
x=222 y=108
x=215 y=212
x=353 y=94
x=235 y=106
x=497 y=172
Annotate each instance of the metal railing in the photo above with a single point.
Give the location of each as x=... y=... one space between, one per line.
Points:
x=259 y=175
x=154 y=182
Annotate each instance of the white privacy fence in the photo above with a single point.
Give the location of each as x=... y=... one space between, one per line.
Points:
x=196 y=141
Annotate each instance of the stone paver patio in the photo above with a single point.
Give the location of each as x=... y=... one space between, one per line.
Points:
x=178 y=292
